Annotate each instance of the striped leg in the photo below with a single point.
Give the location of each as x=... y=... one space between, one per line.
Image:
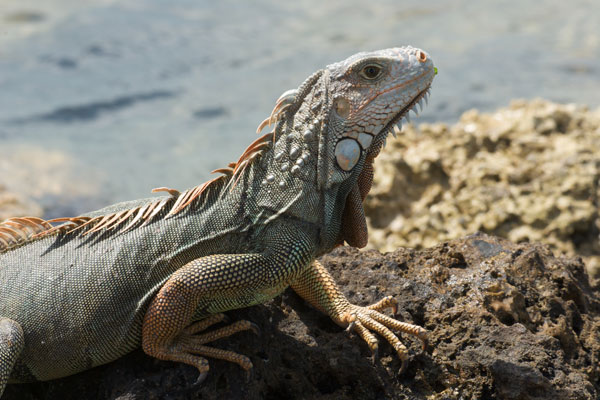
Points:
x=207 y=286
x=168 y=332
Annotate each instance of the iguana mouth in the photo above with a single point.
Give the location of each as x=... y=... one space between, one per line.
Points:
x=417 y=101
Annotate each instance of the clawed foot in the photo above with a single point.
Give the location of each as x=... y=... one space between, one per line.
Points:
x=189 y=345
x=365 y=320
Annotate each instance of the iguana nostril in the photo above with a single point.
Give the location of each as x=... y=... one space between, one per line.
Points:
x=421 y=56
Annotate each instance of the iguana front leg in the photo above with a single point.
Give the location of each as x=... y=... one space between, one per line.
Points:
x=208 y=286
x=317 y=286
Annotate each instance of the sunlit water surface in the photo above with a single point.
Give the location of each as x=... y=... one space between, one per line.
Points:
x=101 y=101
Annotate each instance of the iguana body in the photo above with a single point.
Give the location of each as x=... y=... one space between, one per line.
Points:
x=158 y=271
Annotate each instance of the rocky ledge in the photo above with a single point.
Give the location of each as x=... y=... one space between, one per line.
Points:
x=506 y=321
x=527 y=172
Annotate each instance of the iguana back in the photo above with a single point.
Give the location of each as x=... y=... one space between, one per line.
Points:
x=81 y=294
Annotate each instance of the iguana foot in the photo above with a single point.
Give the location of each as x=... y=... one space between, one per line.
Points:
x=364 y=320
x=317 y=286
x=189 y=346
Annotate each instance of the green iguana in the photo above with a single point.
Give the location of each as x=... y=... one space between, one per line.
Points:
x=79 y=292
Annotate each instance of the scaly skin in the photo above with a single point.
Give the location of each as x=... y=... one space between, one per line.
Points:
x=158 y=272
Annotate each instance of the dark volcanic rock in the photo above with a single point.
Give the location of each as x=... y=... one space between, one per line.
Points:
x=506 y=321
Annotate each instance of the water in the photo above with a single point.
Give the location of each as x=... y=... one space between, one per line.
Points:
x=101 y=101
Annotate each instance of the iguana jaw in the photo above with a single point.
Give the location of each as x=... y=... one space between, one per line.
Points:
x=412 y=106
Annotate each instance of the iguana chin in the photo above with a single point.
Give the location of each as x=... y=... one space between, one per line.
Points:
x=80 y=292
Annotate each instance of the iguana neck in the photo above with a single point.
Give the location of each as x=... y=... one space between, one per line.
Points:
x=284 y=179
x=291 y=177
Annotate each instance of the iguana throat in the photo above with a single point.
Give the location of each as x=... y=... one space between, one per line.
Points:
x=354 y=225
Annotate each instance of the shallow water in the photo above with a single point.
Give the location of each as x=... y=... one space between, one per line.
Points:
x=124 y=96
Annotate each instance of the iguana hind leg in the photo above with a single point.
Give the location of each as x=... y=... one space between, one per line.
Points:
x=207 y=285
x=12 y=342
x=187 y=347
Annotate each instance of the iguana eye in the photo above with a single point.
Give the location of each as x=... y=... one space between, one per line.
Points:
x=371 y=71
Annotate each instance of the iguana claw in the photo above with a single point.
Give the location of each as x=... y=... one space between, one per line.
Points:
x=403 y=367
x=351 y=326
x=201 y=378
x=425 y=342
x=375 y=354
x=254 y=328
x=249 y=373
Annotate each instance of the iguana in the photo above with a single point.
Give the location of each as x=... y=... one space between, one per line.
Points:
x=79 y=292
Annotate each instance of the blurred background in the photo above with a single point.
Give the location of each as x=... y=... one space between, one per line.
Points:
x=103 y=100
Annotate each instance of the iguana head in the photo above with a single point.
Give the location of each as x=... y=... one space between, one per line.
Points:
x=336 y=123
x=370 y=95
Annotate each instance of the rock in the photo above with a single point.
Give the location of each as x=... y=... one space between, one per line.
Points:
x=506 y=321
x=529 y=172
